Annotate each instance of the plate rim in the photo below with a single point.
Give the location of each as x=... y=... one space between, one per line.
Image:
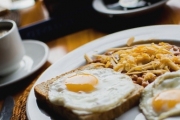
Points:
x=138 y=32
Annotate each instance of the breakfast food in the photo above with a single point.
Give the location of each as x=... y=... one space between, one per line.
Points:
x=161 y=99
x=143 y=62
x=91 y=92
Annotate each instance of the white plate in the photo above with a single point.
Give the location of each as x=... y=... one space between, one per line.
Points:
x=36 y=54
x=75 y=59
x=99 y=6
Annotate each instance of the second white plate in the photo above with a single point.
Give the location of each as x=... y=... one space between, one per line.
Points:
x=99 y=6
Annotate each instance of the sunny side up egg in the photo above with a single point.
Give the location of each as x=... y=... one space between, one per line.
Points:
x=161 y=99
x=91 y=90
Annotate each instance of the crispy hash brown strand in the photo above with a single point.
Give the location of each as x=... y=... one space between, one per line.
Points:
x=143 y=63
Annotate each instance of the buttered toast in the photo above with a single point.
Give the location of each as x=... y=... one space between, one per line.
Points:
x=75 y=111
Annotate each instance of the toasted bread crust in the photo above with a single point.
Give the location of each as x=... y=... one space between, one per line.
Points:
x=41 y=93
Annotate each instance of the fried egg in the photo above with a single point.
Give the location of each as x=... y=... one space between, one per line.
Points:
x=91 y=90
x=161 y=99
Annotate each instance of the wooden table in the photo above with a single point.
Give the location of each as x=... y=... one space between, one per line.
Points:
x=63 y=45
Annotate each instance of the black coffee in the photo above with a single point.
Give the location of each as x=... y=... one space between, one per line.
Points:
x=4 y=31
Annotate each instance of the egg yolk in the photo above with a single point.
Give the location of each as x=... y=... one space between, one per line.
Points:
x=166 y=100
x=83 y=82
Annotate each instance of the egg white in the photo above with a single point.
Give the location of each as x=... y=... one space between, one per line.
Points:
x=111 y=90
x=167 y=81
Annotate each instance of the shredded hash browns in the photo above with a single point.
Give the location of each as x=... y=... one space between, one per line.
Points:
x=143 y=63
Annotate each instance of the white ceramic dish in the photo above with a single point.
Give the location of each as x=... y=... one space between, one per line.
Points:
x=99 y=6
x=163 y=32
x=36 y=54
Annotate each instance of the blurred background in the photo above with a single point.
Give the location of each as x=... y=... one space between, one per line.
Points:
x=57 y=18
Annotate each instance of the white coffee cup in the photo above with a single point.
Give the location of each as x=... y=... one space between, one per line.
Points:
x=11 y=47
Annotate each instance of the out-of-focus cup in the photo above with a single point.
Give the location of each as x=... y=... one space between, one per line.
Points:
x=11 y=47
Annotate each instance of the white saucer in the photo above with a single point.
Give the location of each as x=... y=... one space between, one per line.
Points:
x=35 y=56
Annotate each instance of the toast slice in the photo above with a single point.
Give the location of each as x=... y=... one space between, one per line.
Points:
x=41 y=93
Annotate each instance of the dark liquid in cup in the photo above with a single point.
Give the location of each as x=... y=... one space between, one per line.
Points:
x=4 y=31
